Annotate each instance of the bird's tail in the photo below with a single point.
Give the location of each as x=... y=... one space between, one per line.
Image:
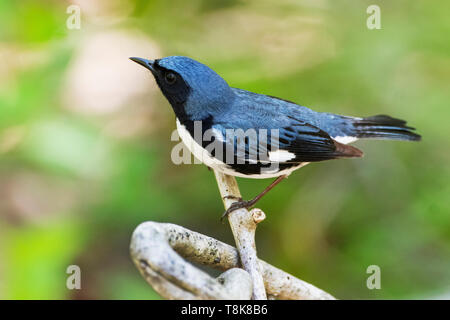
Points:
x=384 y=127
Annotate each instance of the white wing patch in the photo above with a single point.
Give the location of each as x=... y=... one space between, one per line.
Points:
x=281 y=156
x=345 y=139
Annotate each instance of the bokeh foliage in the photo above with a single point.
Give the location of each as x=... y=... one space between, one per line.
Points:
x=74 y=183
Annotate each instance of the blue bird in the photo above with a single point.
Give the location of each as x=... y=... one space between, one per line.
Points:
x=288 y=135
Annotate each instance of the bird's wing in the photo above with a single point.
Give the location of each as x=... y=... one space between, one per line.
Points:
x=280 y=139
x=309 y=143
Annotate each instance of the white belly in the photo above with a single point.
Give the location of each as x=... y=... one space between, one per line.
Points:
x=205 y=157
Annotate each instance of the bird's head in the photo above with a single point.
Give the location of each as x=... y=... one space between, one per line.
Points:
x=194 y=90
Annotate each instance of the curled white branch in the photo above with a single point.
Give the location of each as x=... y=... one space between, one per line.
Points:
x=172 y=276
x=157 y=250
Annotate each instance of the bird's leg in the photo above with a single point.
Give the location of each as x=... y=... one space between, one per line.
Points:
x=249 y=203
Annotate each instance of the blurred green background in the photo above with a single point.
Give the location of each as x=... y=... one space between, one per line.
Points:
x=85 y=141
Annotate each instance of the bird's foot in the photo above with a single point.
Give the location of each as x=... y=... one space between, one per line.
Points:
x=237 y=205
x=232 y=197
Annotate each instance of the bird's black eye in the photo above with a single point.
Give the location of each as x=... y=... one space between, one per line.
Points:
x=170 y=77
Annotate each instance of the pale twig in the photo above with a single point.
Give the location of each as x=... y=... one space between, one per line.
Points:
x=243 y=225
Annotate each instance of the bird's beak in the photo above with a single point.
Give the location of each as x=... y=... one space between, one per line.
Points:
x=144 y=62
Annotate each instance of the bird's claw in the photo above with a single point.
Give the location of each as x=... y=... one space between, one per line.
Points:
x=232 y=197
x=237 y=205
